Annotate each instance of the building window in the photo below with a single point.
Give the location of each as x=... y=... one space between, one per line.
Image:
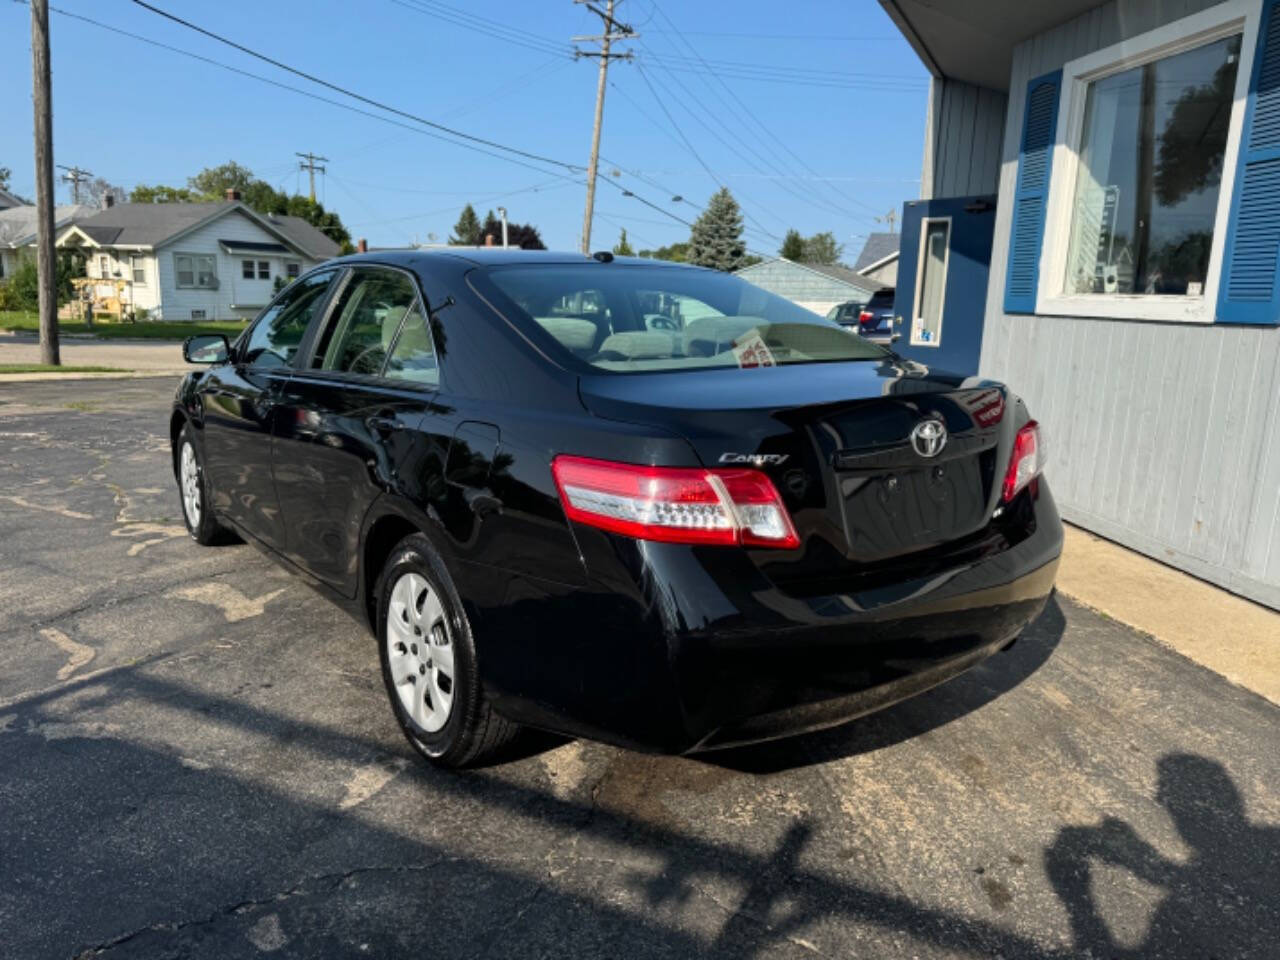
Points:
x=199 y=315
x=246 y=269
x=264 y=269
x=926 y=324
x=104 y=270
x=1148 y=132
x=1150 y=171
x=195 y=270
x=292 y=269
x=137 y=267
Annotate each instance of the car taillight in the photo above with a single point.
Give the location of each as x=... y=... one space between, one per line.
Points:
x=866 y=318
x=1027 y=461
x=727 y=506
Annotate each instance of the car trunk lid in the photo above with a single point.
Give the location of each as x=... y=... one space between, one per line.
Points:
x=837 y=440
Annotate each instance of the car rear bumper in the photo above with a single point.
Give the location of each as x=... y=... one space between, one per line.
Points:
x=678 y=649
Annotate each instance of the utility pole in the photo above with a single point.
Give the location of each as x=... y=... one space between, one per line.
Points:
x=888 y=218
x=46 y=265
x=310 y=166
x=75 y=176
x=502 y=212
x=613 y=30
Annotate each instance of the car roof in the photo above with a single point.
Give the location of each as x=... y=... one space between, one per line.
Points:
x=495 y=256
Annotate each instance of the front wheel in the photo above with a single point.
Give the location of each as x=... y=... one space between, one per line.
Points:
x=193 y=488
x=429 y=661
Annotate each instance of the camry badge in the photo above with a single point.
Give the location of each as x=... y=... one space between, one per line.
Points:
x=929 y=437
x=755 y=459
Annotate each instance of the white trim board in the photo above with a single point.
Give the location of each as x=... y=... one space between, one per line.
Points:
x=1225 y=19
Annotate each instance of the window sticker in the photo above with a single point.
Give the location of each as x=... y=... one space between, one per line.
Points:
x=752 y=351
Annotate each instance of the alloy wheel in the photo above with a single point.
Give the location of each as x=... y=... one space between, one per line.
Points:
x=420 y=652
x=190 y=479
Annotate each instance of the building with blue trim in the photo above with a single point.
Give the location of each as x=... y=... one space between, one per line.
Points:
x=1124 y=160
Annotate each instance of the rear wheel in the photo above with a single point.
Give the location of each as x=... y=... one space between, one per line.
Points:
x=193 y=488
x=429 y=661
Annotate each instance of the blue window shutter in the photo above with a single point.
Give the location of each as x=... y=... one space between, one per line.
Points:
x=1250 y=287
x=1031 y=198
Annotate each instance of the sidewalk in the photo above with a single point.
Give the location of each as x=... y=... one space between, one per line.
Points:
x=1231 y=636
x=141 y=356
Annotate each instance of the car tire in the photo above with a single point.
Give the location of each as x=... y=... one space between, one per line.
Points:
x=193 y=492
x=429 y=663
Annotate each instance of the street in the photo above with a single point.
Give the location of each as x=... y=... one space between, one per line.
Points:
x=199 y=761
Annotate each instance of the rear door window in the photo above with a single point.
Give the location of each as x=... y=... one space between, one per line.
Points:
x=365 y=321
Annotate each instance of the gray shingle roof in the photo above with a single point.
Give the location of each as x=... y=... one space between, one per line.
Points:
x=152 y=224
x=845 y=275
x=878 y=246
x=305 y=236
x=146 y=224
x=18 y=224
x=8 y=199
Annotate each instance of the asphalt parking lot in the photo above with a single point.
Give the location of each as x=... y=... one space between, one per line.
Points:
x=196 y=760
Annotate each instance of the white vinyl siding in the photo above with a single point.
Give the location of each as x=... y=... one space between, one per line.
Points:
x=236 y=297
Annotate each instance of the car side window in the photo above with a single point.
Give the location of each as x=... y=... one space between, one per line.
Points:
x=413 y=356
x=368 y=315
x=274 y=339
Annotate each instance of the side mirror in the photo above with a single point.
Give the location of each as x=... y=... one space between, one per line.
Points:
x=206 y=348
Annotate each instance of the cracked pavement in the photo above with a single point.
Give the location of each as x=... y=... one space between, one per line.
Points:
x=197 y=760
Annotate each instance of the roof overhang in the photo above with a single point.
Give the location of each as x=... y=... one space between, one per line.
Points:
x=883 y=261
x=973 y=40
x=252 y=246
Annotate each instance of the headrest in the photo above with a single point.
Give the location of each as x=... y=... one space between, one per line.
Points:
x=391 y=323
x=707 y=336
x=639 y=344
x=572 y=332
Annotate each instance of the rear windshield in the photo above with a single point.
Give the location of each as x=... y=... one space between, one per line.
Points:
x=634 y=318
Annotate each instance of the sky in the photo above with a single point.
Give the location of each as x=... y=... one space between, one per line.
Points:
x=811 y=112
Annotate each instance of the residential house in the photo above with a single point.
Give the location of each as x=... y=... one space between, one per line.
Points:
x=192 y=261
x=813 y=286
x=1129 y=157
x=8 y=200
x=878 y=260
x=18 y=231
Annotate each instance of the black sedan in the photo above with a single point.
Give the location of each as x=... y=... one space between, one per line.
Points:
x=634 y=501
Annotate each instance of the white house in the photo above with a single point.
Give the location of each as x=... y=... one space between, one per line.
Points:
x=193 y=261
x=878 y=260
x=18 y=232
x=1133 y=296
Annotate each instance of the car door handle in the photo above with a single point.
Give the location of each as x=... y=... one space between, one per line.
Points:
x=380 y=424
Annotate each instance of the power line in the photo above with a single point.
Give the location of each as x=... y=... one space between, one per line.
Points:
x=490 y=28
x=352 y=94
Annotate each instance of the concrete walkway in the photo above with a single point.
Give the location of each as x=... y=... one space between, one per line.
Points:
x=1231 y=636
x=150 y=356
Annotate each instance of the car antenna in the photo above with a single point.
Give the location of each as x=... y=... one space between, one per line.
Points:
x=445 y=304
x=604 y=256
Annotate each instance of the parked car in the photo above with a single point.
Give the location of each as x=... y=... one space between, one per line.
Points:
x=846 y=314
x=550 y=513
x=875 y=321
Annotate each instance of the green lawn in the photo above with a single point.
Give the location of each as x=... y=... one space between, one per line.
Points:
x=50 y=368
x=146 y=330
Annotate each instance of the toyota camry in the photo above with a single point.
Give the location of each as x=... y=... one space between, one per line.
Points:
x=616 y=498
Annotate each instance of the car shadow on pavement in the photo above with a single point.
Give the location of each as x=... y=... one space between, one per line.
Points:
x=951 y=700
x=117 y=846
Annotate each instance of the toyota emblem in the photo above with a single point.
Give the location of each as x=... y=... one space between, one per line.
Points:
x=929 y=437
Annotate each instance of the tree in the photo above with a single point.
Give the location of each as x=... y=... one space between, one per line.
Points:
x=822 y=248
x=1194 y=141
x=466 y=232
x=22 y=292
x=214 y=182
x=522 y=235
x=5 y=176
x=143 y=193
x=676 y=253
x=622 y=248
x=98 y=188
x=716 y=238
x=792 y=247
